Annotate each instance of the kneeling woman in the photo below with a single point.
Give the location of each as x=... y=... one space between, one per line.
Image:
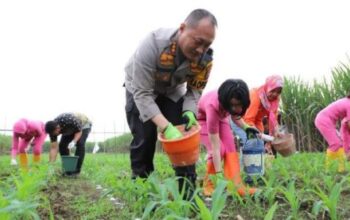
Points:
x=214 y=110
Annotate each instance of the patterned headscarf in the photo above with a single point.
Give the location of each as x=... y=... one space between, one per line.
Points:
x=272 y=82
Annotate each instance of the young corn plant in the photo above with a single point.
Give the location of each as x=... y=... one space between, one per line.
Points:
x=271 y=188
x=271 y=212
x=23 y=195
x=21 y=209
x=282 y=170
x=232 y=190
x=3 y=203
x=218 y=202
x=166 y=200
x=329 y=201
x=28 y=184
x=291 y=195
x=46 y=204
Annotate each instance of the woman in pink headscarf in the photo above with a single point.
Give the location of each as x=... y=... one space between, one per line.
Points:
x=24 y=132
x=264 y=101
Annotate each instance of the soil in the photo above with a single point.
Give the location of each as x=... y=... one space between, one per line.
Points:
x=4 y=176
x=63 y=192
x=7 y=171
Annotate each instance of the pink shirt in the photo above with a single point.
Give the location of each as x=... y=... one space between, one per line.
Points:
x=35 y=129
x=210 y=111
x=337 y=110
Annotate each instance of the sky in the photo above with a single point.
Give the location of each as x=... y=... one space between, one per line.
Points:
x=69 y=55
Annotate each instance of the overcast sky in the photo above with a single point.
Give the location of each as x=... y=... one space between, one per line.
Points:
x=68 y=55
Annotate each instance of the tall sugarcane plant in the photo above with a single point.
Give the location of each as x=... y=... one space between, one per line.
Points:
x=301 y=101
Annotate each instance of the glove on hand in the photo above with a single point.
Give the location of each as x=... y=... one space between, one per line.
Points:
x=171 y=132
x=71 y=145
x=251 y=131
x=190 y=119
x=13 y=162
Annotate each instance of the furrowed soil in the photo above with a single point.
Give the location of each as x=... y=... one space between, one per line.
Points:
x=74 y=198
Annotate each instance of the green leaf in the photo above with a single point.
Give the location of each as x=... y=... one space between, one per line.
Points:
x=219 y=199
x=271 y=212
x=149 y=208
x=203 y=210
x=316 y=208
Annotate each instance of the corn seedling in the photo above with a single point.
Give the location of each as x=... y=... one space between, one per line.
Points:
x=291 y=195
x=218 y=202
x=329 y=201
x=270 y=189
x=271 y=212
x=165 y=198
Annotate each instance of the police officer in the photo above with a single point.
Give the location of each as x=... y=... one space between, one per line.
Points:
x=164 y=81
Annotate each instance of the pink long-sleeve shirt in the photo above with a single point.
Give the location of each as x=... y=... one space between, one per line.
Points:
x=336 y=111
x=214 y=120
x=36 y=130
x=326 y=121
x=210 y=111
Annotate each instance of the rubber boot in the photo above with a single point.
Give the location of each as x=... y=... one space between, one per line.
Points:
x=36 y=158
x=341 y=158
x=232 y=173
x=338 y=157
x=23 y=161
x=208 y=185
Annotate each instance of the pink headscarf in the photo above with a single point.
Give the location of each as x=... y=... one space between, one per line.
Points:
x=272 y=82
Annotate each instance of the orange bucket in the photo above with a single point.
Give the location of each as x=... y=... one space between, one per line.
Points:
x=183 y=151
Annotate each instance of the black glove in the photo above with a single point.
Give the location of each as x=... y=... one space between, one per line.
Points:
x=251 y=132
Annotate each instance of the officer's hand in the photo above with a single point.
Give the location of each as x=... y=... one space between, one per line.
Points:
x=171 y=132
x=71 y=145
x=189 y=119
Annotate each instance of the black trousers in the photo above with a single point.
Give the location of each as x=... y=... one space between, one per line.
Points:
x=80 y=146
x=143 y=144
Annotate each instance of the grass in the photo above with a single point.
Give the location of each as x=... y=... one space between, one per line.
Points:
x=296 y=187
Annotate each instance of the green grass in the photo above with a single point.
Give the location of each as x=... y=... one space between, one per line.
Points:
x=296 y=187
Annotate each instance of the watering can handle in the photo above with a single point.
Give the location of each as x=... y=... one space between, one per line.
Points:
x=267 y=138
x=252 y=132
